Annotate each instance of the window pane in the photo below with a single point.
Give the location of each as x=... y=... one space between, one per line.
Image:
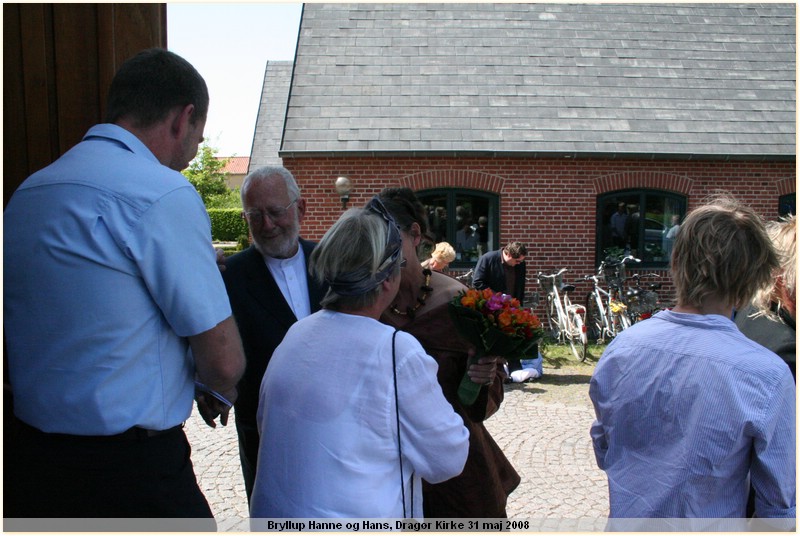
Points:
x=657 y=220
x=615 y=225
x=437 y=216
x=470 y=238
x=465 y=219
x=787 y=204
x=642 y=223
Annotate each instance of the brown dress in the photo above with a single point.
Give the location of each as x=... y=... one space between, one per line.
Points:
x=482 y=489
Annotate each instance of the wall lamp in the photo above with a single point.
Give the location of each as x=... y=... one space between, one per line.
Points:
x=343 y=188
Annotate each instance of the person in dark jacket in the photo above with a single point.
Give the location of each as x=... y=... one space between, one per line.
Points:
x=503 y=271
x=269 y=289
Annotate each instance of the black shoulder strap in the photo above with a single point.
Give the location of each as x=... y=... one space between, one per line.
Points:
x=397 y=417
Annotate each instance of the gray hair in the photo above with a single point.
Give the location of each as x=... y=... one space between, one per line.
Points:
x=267 y=172
x=355 y=244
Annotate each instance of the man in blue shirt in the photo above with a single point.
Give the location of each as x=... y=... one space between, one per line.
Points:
x=690 y=412
x=115 y=311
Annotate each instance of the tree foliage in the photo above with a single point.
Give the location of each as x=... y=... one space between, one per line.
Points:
x=206 y=175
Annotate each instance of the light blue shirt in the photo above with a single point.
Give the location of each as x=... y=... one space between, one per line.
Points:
x=108 y=266
x=689 y=413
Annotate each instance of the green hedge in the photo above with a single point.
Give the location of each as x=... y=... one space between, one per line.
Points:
x=227 y=224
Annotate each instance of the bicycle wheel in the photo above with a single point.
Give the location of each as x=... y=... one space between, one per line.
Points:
x=624 y=321
x=577 y=336
x=575 y=331
x=594 y=320
x=552 y=318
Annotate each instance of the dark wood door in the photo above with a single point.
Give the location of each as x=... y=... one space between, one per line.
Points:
x=58 y=62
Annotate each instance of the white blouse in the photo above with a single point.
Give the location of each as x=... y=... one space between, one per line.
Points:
x=328 y=423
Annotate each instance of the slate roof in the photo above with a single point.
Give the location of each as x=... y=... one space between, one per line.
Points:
x=644 y=80
x=271 y=113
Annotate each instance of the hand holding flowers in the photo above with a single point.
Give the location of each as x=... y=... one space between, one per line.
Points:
x=497 y=325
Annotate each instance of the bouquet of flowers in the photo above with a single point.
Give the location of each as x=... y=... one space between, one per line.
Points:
x=497 y=325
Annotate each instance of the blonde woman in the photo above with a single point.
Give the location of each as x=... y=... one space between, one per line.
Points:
x=770 y=318
x=441 y=257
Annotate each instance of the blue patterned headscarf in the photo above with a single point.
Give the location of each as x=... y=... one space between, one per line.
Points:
x=361 y=281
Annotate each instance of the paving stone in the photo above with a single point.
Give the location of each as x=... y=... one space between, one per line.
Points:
x=542 y=427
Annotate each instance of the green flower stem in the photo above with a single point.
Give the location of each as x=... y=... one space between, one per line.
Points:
x=468 y=390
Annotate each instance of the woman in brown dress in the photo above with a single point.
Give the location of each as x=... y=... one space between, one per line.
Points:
x=421 y=309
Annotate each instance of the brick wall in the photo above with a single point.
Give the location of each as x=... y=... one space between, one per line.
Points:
x=549 y=204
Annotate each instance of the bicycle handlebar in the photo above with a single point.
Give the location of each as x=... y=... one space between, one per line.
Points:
x=552 y=276
x=611 y=264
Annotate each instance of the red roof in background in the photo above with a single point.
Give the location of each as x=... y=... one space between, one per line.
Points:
x=237 y=165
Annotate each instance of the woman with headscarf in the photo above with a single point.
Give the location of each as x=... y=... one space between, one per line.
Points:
x=356 y=441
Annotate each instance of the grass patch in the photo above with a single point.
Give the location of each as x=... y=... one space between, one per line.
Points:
x=558 y=356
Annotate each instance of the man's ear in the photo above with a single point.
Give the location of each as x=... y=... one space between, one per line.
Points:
x=416 y=233
x=181 y=119
x=301 y=209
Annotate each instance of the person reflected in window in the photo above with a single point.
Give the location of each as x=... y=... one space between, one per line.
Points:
x=632 y=230
x=619 y=226
x=482 y=232
x=671 y=234
x=466 y=240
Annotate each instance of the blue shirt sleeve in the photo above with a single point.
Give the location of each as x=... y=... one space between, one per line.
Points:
x=772 y=473
x=171 y=245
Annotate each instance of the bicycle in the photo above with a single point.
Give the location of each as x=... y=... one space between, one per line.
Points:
x=642 y=303
x=606 y=310
x=466 y=278
x=599 y=321
x=564 y=319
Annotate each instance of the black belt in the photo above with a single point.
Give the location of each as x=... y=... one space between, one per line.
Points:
x=132 y=434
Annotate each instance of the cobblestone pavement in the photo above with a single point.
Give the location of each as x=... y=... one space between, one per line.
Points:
x=543 y=428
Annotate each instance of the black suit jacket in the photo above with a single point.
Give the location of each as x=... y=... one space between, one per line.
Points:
x=489 y=273
x=263 y=318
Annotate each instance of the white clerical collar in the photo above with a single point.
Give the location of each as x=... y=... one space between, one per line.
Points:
x=290 y=276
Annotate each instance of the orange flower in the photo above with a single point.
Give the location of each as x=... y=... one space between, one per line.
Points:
x=504 y=319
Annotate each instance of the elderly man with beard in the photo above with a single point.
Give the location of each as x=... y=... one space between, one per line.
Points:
x=269 y=290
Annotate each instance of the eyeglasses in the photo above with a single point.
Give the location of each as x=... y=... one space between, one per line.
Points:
x=274 y=214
